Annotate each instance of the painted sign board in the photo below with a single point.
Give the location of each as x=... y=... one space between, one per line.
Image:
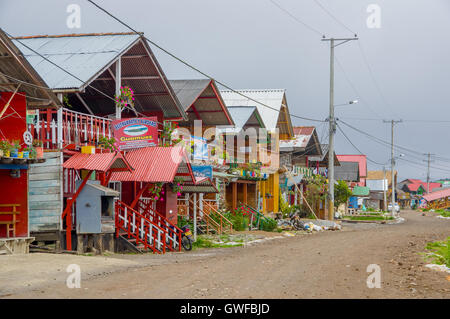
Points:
x=202 y=171
x=200 y=148
x=134 y=133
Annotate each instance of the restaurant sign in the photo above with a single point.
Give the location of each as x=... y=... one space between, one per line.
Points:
x=133 y=133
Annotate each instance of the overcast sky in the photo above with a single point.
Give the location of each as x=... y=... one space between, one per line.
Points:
x=254 y=44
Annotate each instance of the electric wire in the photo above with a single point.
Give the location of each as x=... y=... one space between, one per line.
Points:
x=195 y=68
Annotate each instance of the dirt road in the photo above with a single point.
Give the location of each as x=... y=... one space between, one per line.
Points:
x=323 y=265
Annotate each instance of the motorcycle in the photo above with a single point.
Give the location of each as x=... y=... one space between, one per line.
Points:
x=186 y=238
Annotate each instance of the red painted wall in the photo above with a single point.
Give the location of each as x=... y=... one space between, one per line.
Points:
x=14 y=190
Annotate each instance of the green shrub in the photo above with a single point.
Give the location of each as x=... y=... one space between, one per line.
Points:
x=269 y=224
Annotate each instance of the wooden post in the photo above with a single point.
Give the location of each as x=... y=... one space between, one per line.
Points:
x=118 y=84
x=195 y=217
x=234 y=201
x=244 y=186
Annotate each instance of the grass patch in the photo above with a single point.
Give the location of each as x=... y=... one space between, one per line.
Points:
x=445 y=213
x=368 y=217
x=439 y=252
x=223 y=241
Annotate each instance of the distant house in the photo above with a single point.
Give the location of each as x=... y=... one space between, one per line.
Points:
x=362 y=165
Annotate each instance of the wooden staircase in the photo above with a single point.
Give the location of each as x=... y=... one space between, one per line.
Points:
x=141 y=230
x=211 y=221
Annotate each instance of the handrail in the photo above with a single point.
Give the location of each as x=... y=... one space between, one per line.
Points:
x=171 y=228
x=209 y=218
x=230 y=224
x=138 y=232
x=147 y=208
x=254 y=212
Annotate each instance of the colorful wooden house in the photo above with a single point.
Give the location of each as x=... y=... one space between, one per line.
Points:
x=22 y=92
x=87 y=72
x=274 y=112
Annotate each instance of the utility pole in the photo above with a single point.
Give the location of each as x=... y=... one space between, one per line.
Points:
x=428 y=171
x=385 y=185
x=393 y=122
x=332 y=125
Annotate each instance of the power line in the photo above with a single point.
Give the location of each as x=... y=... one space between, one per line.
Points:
x=334 y=17
x=297 y=19
x=354 y=87
x=348 y=139
x=195 y=68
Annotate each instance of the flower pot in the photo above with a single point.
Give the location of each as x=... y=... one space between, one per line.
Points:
x=20 y=154
x=6 y=153
x=26 y=154
x=39 y=152
x=1 y=153
x=14 y=153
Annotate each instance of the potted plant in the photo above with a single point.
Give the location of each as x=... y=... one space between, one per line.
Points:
x=5 y=148
x=15 y=149
x=38 y=148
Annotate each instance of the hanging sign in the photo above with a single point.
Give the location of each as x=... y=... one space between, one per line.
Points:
x=202 y=171
x=134 y=133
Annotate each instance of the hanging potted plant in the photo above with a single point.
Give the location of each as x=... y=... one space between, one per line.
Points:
x=125 y=97
x=39 y=149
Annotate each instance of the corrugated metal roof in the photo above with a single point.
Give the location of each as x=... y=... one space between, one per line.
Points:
x=437 y=195
x=188 y=91
x=348 y=171
x=361 y=159
x=101 y=162
x=83 y=56
x=13 y=64
x=361 y=191
x=272 y=98
x=155 y=164
x=202 y=185
x=241 y=115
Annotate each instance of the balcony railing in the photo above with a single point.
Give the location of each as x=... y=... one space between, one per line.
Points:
x=58 y=128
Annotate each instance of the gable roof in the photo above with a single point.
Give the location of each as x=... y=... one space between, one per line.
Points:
x=89 y=58
x=201 y=97
x=245 y=115
x=102 y=162
x=437 y=195
x=360 y=159
x=274 y=98
x=156 y=164
x=305 y=140
x=14 y=67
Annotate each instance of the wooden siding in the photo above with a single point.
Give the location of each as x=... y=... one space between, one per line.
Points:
x=45 y=193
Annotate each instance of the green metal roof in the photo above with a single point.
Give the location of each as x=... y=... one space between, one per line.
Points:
x=361 y=191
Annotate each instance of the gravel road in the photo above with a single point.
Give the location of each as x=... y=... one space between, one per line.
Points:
x=330 y=264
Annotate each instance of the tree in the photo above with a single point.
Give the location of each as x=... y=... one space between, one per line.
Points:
x=341 y=193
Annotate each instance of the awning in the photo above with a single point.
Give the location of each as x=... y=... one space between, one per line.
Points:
x=101 y=162
x=202 y=185
x=156 y=164
x=223 y=175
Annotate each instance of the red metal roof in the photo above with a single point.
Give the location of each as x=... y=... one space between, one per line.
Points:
x=101 y=162
x=303 y=130
x=437 y=195
x=417 y=183
x=156 y=164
